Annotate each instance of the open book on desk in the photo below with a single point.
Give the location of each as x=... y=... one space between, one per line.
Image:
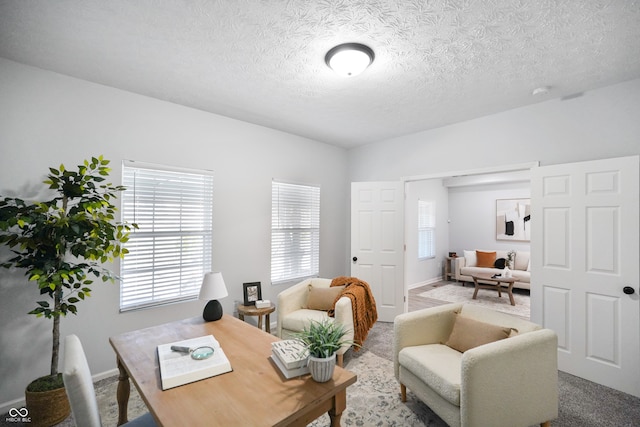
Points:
x=178 y=368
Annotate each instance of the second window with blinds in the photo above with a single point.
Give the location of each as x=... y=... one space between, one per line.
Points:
x=295 y=231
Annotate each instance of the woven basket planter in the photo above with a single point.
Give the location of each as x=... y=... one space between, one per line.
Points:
x=47 y=408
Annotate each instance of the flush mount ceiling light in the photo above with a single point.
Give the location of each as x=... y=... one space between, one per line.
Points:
x=349 y=59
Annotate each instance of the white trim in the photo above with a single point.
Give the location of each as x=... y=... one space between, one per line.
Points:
x=156 y=166
x=20 y=403
x=6 y=406
x=492 y=169
x=425 y=282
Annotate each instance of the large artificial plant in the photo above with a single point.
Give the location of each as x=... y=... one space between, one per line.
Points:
x=64 y=243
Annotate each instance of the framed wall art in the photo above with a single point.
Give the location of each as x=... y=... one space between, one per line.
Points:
x=513 y=220
x=252 y=292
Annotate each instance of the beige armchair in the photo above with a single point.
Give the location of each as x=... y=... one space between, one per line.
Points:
x=309 y=300
x=510 y=382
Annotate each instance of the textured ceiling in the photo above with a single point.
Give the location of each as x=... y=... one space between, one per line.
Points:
x=262 y=61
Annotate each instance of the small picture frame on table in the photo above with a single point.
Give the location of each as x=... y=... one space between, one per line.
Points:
x=252 y=292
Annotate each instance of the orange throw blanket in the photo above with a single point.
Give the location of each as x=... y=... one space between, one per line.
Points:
x=363 y=305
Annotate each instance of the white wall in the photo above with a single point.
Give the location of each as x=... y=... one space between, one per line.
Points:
x=472 y=214
x=47 y=119
x=422 y=271
x=601 y=123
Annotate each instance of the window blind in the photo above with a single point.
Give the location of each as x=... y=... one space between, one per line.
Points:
x=295 y=231
x=171 y=250
x=426 y=230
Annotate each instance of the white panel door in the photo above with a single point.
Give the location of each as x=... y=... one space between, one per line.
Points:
x=377 y=243
x=585 y=274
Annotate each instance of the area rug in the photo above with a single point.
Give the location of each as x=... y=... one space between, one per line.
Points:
x=486 y=297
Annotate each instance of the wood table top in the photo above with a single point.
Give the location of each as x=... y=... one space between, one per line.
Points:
x=255 y=393
x=497 y=279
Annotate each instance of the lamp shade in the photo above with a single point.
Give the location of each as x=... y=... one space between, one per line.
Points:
x=213 y=287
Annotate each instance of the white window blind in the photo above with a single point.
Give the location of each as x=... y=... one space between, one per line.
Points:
x=295 y=231
x=426 y=229
x=171 y=250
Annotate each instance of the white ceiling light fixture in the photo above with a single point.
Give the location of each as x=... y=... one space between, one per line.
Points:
x=349 y=59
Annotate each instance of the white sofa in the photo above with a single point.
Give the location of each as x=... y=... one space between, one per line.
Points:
x=512 y=382
x=466 y=266
x=294 y=313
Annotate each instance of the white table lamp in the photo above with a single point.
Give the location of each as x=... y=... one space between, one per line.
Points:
x=212 y=289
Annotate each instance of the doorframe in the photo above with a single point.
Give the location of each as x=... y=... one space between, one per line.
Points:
x=473 y=179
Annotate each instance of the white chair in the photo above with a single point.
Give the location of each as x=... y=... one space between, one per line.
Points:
x=309 y=301
x=474 y=370
x=79 y=387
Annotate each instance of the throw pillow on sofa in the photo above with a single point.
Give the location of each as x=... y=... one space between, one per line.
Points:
x=485 y=259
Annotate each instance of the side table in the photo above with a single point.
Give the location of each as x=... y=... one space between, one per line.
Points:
x=251 y=310
x=449 y=268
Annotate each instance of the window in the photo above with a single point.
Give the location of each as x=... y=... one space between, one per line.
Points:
x=295 y=231
x=426 y=229
x=171 y=250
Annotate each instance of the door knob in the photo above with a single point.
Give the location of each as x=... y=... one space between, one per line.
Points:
x=628 y=290
x=355 y=258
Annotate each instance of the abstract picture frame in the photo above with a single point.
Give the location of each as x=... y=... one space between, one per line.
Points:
x=513 y=220
x=252 y=292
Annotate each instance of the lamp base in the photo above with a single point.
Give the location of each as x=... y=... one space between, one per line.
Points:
x=212 y=311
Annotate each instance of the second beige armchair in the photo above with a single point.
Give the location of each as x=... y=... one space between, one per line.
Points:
x=309 y=301
x=508 y=382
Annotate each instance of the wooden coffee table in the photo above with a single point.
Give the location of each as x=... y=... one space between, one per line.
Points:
x=499 y=282
x=254 y=394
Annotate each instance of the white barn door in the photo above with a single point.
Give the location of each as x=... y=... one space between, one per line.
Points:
x=585 y=274
x=377 y=243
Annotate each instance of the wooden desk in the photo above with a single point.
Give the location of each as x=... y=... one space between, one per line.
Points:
x=499 y=281
x=254 y=394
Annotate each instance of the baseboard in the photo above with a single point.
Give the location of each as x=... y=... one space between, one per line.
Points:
x=426 y=282
x=5 y=407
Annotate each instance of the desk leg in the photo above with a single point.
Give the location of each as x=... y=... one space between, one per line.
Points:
x=260 y=321
x=124 y=388
x=339 y=405
x=267 y=327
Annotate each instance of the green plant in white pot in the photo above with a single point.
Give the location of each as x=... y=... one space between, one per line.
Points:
x=62 y=245
x=323 y=339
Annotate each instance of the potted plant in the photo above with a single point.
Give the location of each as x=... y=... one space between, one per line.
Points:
x=62 y=245
x=323 y=339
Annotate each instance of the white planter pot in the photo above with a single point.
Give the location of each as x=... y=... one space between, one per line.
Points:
x=321 y=368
